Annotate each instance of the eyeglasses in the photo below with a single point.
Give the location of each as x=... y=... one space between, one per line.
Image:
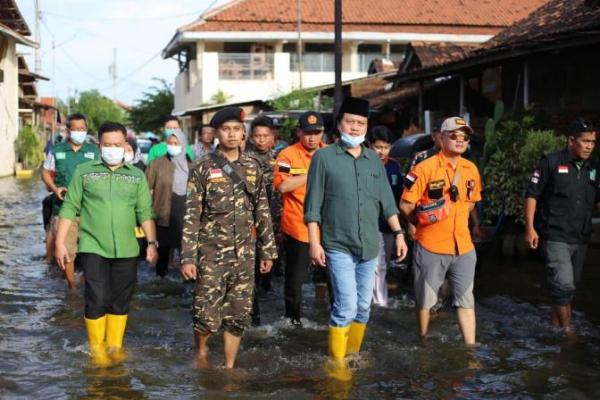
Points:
x=455 y=136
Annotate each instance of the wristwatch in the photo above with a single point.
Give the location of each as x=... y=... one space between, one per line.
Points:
x=398 y=232
x=153 y=243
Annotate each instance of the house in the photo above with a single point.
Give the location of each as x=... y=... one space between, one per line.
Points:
x=547 y=60
x=249 y=49
x=33 y=111
x=13 y=31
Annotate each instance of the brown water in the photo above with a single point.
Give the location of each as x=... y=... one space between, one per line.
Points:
x=43 y=352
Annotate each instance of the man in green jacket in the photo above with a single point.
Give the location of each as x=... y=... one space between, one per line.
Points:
x=160 y=149
x=57 y=171
x=112 y=198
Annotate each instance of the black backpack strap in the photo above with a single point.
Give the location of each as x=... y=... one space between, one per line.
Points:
x=226 y=167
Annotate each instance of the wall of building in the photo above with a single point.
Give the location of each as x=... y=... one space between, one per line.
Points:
x=9 y=105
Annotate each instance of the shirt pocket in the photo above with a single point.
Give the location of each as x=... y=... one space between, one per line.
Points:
x=218 y=198
x=373 y=183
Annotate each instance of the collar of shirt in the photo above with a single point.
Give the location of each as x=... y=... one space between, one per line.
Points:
x=444 y=162
x=305 y=152
x=123 y=165
x=341 y=149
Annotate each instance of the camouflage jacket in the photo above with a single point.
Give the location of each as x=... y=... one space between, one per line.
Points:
x=221 y=221
x=266 y=161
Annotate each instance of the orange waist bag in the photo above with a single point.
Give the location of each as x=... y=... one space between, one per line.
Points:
x=429 y=214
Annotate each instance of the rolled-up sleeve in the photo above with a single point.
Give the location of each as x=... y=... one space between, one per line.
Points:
x=72 y=204
x=143 y=207
x=386 y=197
x=315 y=188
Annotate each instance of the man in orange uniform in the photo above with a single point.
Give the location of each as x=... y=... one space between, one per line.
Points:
x=439 y=194
x=289 y=178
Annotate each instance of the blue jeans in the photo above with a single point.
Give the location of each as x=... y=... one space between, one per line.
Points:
x=352 y=282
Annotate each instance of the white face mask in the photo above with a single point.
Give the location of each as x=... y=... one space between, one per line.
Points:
x=129 y=157
x=352 y=141
x=78 y=137
x=174 y=150
x=113 y=155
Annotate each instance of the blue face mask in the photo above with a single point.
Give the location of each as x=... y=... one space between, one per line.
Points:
x=174 y=150
x=78 y=137
x=113 y=155
x=352 y=141
x=168 y=132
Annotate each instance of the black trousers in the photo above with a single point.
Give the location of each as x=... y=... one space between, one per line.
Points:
x=169 y=237
x=297 y=266
x=109 y=284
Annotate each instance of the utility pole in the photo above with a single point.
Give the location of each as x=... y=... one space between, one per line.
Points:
x=112 y=71
x=38 y=18
x=299 y=45
x=338 y=95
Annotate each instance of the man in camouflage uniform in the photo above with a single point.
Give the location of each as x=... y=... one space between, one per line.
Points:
x=425 y=154
x=226 y=221
x=262 y=139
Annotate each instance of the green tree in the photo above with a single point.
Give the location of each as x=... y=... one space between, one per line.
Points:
x=148 y=113
x=30 y=150
x=97 y=108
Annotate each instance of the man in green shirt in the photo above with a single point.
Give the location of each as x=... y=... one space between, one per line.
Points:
x=160 y=149
x=347 y=190
x=111 y=197
x=57 y=171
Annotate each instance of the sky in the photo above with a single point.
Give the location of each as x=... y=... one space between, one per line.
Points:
x=78 y=38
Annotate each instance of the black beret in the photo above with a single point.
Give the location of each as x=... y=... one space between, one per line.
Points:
x=356 y=106
x=227 y=114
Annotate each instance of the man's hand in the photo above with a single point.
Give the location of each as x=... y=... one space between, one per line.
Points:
x=62 y=255
x=531 y=238
x=60 y=193
x=476 y=233
x=317 y=254
x=189 y=272
x=265 y=266
x=412 y=231
x=151 y=254
x=401 y=248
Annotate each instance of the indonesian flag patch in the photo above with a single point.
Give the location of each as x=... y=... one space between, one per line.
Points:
x=215 y=173
x=563 y=169
x=535 y=178
x=284 y=167
x=410 y=180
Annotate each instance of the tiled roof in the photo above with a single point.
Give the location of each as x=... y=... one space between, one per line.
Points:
x=552 y=24
x=11 y=17
x=558 y=17
x=433 y=54
x=358 y=15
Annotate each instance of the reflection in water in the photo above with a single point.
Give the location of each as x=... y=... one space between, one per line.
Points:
x=43 y=349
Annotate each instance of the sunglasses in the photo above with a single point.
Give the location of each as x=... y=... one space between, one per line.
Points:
x=455 y=136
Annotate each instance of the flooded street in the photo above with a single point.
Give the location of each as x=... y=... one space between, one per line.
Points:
x=43 y=348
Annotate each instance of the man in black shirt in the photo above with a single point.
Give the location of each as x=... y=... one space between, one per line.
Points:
x=559 y=202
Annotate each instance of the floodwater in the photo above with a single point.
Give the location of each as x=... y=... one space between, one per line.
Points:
x=43 y=351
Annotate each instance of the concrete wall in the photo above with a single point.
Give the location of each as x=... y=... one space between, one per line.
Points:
x=9 y=105
x=201 y=82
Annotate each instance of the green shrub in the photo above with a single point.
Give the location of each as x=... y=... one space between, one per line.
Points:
x=514 y=150
x=30 y=150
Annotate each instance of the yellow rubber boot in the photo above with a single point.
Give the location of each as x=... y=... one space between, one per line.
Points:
x=355 y=337
x=338 y=342
x=115 y=331
x=96 y=331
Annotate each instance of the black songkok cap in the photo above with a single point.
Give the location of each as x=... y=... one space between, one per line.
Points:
x=356 y=106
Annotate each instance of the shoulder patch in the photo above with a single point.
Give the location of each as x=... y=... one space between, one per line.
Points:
x=410 y=180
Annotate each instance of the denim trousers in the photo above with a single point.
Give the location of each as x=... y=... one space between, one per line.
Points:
x=352 y=282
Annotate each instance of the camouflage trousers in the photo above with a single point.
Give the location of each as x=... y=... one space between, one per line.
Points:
x=223 y=296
